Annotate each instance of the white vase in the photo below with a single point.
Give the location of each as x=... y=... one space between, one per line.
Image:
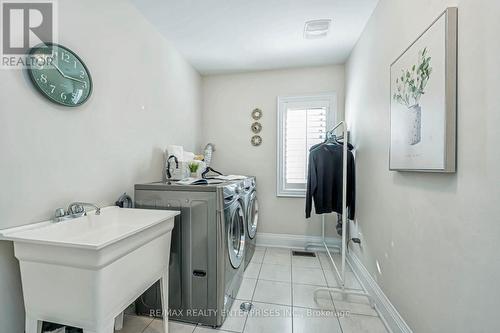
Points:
x=414 y=125
x=194 y=174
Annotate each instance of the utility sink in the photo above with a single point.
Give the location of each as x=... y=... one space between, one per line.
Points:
x=84 y=272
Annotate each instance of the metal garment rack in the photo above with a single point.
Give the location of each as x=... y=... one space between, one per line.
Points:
x=340 y=275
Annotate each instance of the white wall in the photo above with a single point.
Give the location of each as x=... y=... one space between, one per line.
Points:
x=145 y=97
x=228 y=101
x=435 y=236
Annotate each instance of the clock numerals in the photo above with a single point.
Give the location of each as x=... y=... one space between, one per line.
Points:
x=75 y=95
x=64 y=56
x=65 y=79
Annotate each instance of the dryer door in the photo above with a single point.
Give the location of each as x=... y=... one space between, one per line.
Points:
x=253 y=216
x=236 y=236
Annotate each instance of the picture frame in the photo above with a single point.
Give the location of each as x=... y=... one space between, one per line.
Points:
x=424 y=100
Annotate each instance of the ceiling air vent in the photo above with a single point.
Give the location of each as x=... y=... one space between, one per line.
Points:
x=317 y=28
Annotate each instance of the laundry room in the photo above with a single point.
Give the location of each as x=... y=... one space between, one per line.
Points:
x=292 y=166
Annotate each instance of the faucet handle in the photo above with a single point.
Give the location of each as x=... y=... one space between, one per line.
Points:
x=76 y=209
x=60 y=212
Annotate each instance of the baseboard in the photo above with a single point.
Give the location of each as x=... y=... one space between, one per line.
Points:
x=393 y=319
x=291 y=241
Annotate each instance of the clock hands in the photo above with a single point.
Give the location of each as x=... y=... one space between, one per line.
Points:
x=66 y=76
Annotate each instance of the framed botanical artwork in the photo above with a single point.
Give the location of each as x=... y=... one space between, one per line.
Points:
x=424 y=100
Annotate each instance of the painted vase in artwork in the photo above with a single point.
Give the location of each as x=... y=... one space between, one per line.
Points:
x=414 y=125
x=410 y=88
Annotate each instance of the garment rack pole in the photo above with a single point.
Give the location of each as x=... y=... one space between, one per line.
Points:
x=340 y=275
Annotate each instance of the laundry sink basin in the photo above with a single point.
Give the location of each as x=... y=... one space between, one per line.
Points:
x=84 y=272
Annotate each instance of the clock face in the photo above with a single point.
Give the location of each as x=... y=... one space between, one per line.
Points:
x=60 y=75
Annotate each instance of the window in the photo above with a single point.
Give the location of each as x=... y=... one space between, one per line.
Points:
x=302 y=123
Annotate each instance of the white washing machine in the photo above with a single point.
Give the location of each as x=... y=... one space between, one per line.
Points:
x=207 y=252
x=252 y=216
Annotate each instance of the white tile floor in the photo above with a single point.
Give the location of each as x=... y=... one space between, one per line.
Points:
x=281 y=288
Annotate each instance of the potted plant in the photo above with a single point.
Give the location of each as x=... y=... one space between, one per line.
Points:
x=410 y=88
x=193 y=169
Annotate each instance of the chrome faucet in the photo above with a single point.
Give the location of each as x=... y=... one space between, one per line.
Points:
x=78 y=207
x=75 y=209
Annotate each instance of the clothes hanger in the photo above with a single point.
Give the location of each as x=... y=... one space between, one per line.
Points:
x=327 y=138
x=207 y=170
x=331 y=139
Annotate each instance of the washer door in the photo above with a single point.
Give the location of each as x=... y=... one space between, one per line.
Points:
x=236 y=236
x=253 y=216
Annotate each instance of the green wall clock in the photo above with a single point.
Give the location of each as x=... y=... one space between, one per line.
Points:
x=60 y=75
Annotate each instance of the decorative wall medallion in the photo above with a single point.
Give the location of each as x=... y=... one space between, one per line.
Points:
x=257 y=114
x=256 y=140
x=256 y=127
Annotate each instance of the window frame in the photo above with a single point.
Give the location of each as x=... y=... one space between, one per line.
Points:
x=282 y=190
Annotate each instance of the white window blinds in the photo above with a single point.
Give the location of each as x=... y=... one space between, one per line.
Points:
x=302 y=123
x=303 y=129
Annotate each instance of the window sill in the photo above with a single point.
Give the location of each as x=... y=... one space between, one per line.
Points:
x=291 y=195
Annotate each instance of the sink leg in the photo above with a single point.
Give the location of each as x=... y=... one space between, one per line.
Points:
x=33 y=325
x=164 y=299
x=119 y=322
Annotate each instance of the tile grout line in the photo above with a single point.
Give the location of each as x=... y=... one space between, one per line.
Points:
x=292 y=289
x=138 y=317
x=331 y=296
x=302 y=306
x=195 y=326
x=255 y=289
x=145 y=328
x=259 y=279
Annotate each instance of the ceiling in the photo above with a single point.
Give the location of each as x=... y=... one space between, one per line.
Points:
x=220 y=36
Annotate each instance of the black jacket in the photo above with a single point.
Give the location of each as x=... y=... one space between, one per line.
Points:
x=324 y=181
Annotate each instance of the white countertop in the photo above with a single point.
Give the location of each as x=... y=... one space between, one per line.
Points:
x=91 y=231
